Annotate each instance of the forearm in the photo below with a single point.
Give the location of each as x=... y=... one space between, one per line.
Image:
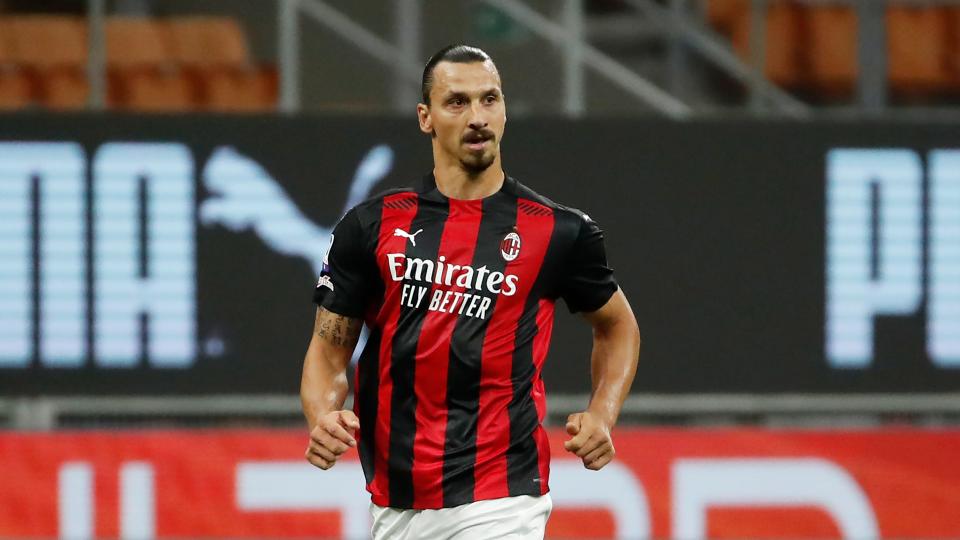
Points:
x=613 y=364
x=323 y=385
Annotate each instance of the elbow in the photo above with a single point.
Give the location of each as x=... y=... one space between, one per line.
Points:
x=623 y=330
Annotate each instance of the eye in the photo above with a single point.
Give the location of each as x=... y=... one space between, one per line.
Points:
x=490 y=99
x=457 y=101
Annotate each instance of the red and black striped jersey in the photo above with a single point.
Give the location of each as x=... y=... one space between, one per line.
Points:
x=459 y=297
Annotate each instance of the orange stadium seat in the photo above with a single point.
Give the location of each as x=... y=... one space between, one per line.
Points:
x=53 y=49
x=143 y=74
x=783 y=45
x=831 y=62
x=215 y=51
x=240 y=91
x=209 y=42
x=135 y=42
x=916 y=49
x=15 y=87
x=724 y=15
x=144 y=91
x=952 y=48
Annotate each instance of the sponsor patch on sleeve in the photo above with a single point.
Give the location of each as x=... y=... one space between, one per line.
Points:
x=324 y=281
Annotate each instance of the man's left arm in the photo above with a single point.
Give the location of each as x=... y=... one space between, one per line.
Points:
x=613 y=364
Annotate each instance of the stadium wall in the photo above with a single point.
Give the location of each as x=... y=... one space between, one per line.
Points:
x=177 y=255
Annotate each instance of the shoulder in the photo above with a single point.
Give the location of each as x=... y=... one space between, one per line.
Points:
x=369 y=211
x=566 y=217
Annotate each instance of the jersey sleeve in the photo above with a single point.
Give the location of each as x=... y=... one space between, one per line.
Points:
x=346 y=280
x=587 y=282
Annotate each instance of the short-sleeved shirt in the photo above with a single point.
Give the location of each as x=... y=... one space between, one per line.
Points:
x=459 y=298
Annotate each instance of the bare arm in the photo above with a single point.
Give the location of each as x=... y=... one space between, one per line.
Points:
x=613 y=364
x=324 y=386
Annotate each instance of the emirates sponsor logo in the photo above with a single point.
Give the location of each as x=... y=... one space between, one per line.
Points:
x=451 y=275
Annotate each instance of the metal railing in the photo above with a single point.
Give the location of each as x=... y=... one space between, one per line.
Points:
x=675 y=23
x=716 y=50
x=55 y=412
x=403 y=58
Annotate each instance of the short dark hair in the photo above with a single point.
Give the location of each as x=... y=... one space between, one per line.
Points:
x=459 y=54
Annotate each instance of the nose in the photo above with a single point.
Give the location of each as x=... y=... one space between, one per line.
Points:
x=477 y=120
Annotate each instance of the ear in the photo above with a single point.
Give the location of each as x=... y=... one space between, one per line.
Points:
x=423 y=116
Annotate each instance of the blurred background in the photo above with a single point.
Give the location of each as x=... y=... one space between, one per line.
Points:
x=778 y=180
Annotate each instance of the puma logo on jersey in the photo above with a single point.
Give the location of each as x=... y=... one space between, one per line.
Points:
x=411 y=237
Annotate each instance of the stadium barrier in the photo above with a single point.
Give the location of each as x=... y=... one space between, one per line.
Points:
x=664 y=483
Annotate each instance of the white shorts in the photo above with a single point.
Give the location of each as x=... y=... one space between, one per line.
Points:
x=510 y=518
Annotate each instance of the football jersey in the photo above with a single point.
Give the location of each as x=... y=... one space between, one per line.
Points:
x=458 y=296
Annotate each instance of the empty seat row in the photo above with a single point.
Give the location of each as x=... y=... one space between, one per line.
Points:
x=814 y=46
x=152 y=64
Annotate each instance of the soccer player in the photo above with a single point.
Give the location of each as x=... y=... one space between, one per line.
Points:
x=457 y=279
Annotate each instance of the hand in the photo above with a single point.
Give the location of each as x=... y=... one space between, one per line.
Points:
x=331 y=437
x=590 y=440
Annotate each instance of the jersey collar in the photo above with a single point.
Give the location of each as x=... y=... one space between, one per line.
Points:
x=428 y=188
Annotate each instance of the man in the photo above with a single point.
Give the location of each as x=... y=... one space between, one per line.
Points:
x=456 y=280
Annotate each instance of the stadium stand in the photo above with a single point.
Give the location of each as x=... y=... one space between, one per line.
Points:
x=52 y=50
x=215 y=52
x=153 y=64
x=813 y=47
x=183 y=63
x=143 y=75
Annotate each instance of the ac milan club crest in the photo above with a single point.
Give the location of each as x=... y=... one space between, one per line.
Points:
x=510 y=246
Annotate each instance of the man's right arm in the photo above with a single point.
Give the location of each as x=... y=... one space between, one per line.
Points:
x=324 y=387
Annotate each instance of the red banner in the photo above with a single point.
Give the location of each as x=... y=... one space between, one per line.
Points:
x=664 y=483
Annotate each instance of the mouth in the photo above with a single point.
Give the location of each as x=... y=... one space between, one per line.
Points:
x=475 y=146
x=477 y=141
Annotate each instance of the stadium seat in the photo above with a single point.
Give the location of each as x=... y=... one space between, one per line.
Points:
x=782 y=44
x=239 y=91
x=136 y=42
x=952 y=48
x=831 y=37
x=141 y=67
x=53 y=50
x=725 y=15
x=15 y=87
x=916 y=49
x=215 y=52
x=153 y=92
x=65 y=89
x=206 y=42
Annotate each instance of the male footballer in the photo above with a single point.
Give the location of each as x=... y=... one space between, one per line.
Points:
x=457 y=279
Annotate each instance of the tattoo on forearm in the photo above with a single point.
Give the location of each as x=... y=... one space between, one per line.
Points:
x=337 y=329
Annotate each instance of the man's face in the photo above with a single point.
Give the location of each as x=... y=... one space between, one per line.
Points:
x=466 y=114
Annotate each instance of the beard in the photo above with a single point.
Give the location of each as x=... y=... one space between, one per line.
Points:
x=474 y=164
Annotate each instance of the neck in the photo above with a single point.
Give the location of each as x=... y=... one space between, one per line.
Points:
x=454 y=182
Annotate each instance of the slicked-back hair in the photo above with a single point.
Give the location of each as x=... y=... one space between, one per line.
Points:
x=458 y=54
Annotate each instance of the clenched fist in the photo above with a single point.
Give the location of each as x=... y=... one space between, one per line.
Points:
x=331 y=437
x=590 y=440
